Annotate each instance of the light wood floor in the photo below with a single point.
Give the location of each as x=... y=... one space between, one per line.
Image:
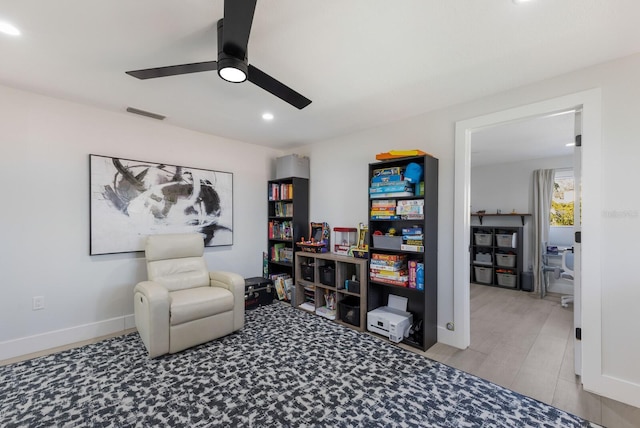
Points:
x=526 y=344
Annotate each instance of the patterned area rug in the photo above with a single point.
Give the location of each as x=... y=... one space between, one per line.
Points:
x=285 y=368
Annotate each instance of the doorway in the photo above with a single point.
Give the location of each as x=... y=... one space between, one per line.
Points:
x=506 y=319
x=590 y=299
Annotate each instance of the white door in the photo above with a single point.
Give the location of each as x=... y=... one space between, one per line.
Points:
x=577 y=219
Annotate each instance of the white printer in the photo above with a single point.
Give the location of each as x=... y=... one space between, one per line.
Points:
x=392 y=321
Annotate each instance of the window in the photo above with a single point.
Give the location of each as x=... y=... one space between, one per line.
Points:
x=563 y=197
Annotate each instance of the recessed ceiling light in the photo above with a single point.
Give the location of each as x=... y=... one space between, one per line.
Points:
x=520 y=1
x=267 y=116
x=9 y=29
x=570 y=144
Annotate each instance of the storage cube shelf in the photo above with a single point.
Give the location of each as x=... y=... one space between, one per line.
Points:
x=322 y=274
x=497 y=256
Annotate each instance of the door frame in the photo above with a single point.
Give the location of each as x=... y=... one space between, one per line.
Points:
x=590 y=102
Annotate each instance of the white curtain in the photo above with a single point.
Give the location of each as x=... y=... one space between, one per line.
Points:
x=542 y=195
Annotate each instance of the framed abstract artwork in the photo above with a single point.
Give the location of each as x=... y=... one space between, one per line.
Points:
x=131 y=199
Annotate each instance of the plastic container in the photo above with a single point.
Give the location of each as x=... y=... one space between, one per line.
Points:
x=483 y=274
x=387 y=242
x=307 y=272
x=483 y=239
x=328 y=275
x=349 y=309
x=506 y=260
x=505 y=240
x=507 y=280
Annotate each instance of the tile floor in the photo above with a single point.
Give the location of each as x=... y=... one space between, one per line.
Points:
x=526 y=344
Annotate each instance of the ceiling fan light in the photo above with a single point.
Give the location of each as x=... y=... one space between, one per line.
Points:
x=232 y=69
x=231 y=74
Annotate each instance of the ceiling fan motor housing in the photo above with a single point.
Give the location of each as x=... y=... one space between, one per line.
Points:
x=230 y=58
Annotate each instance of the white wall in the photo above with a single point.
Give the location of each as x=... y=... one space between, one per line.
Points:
x=44 y=152
x=509 y=186
x=342 y=202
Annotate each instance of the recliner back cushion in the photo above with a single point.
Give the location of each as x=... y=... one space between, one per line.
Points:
x=179 y=274
x=173 y=246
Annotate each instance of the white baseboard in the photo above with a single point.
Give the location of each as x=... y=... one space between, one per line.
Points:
x=53 y=339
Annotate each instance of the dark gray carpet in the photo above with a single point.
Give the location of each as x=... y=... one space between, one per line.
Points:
x=285 y=368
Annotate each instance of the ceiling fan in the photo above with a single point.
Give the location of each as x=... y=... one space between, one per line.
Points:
x=232 y=65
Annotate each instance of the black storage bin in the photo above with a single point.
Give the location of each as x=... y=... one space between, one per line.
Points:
x=350 y=310
x=328 y=275
x=352 y=286
x=526 y=281
x=307 y=272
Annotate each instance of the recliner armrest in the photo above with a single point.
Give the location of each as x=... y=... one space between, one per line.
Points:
x=234 y=283
x=151 y=306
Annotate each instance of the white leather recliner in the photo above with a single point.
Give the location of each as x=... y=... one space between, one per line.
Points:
x=182 y=304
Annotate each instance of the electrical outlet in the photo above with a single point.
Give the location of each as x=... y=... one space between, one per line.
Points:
x=38 y=303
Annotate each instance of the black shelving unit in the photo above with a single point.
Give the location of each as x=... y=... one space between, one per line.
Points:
x=422 y=303
x=497 y=256
x=288 y=222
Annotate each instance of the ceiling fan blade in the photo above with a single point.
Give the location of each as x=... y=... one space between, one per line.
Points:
x=280 y=90
x=173 y=70
x=238 y=17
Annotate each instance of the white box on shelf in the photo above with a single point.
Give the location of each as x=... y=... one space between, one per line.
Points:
x=292 y=166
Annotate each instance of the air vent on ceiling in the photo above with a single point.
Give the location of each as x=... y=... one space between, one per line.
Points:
x=145 y=113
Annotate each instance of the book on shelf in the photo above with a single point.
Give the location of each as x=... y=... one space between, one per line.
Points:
x=325 y=312
x=384 y=203
x=280 y=191
x=387 y=264
x=275 y=251
x=393 y=170
x=386 y=181
x=391 y=195
x=398 y=276
x=390 y=189
x=283 y=209
x=413 y=230
x=403 y=283
x=414 y=248
x=412 y=217
x=308 y=306
x=288 y=288
x=416 y=274
x=392 y=257
x=385 y=217
x=389 y=178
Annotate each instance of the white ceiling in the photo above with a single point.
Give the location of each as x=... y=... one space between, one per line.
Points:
x=362 y=62
x=534 y=138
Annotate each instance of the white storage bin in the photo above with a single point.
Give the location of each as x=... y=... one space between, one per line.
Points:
x=483 y=239
x=506 y=280
x=483 y=275
x=483 y=258
x=506 y=260
x=506 y=240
